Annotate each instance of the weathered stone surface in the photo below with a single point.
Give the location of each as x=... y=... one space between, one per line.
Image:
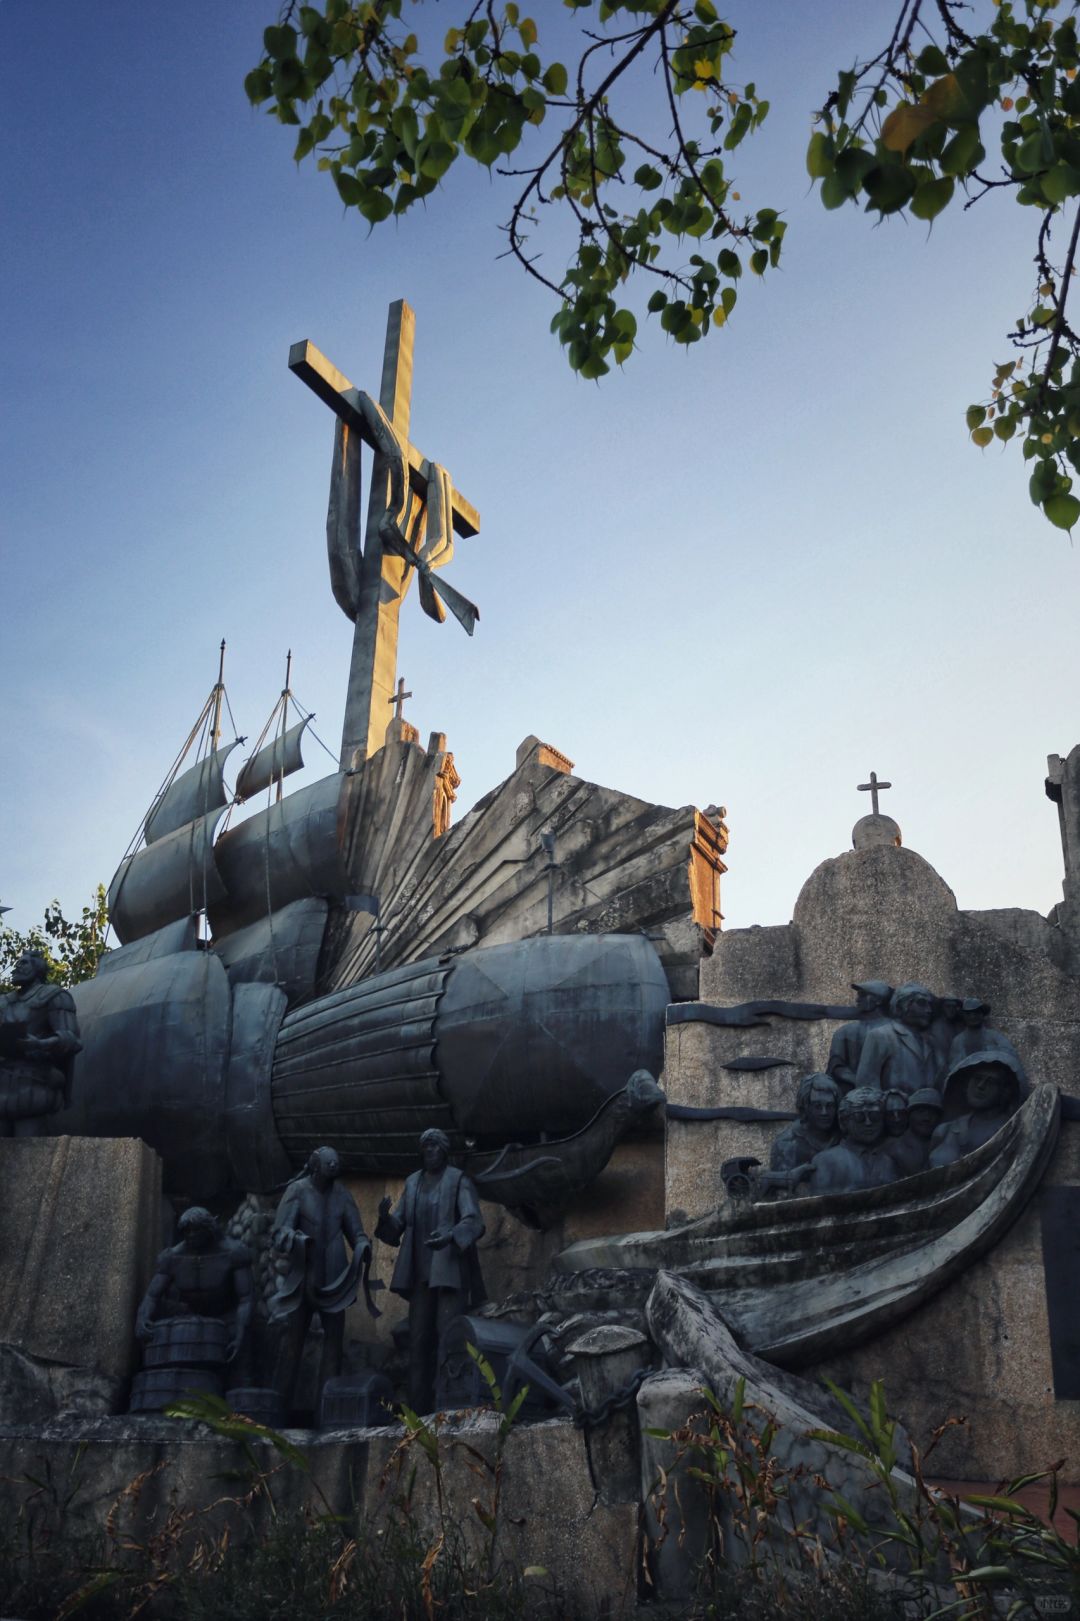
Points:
x=33 y=1391
x=981 y=1351
x=691 y=1333
x=551 y=1511
x=80 y=1218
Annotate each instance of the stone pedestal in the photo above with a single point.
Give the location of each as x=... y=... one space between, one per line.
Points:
x=80 y=1218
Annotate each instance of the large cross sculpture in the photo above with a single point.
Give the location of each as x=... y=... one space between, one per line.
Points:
x=370 y=584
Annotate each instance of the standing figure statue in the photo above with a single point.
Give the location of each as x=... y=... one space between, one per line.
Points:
x=39 y=1037
x=945 y=1027
x=860 y=1160
x=202 y=1275
x=436 y=1223
x=987 y=1087
x=872 y=997
x=898 y=1054
x=314 y=1219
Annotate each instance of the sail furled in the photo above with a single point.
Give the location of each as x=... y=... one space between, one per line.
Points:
x=283 y=853
x=195 y=792
x=169 y=879
x=279 y=758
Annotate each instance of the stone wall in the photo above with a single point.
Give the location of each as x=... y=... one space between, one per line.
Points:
x=81 y=1223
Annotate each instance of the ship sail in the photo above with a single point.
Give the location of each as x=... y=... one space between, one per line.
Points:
x=193 y=793
x=169 y=879
x=280 y=758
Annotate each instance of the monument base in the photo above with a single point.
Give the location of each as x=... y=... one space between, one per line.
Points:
x=81 y=1223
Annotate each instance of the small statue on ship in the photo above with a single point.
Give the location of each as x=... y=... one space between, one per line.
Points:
x=910 y=1123
x=435 y=1227
x=872 y=997
x=315 y=1219
x=39 y=1037
x=987 y=1087
x=898 y=1054
x=815 y=1130
x=860 y=1160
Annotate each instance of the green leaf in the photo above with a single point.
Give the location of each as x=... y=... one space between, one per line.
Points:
x=888 y=187
x=1063 y=511
x=931 y=197
x=932 y=60
x=258 y=85
x=1060 y=182
x=349 y=188
x=834 y=193
x=555 y=80
x=982 y=437
x=375 y=205
x=759 y=261
x=976 y=416
x=656 y=302
x=964 y=152
x=819 y=160
x=647 y=177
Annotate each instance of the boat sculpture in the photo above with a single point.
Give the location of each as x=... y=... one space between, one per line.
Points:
x=801 y=1278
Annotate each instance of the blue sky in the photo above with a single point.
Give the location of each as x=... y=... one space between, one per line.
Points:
x=746 y=574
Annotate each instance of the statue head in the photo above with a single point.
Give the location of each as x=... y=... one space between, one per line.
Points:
x=324 y=1166
x=816 y=1101
x=896 y=1113
x=988 y=1082
x=643 y=1091
x=871 y=995
x=862 y=1115
x=949 y=1008
x=924 y=1112
x=32 y=968
x=913 y=1005
x=974 y=1012
x=197 y=1228
x=434 y=1149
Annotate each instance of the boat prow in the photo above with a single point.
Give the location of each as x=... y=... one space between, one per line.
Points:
x=802 y=1278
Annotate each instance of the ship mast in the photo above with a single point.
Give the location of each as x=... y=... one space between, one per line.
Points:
x=219 y=693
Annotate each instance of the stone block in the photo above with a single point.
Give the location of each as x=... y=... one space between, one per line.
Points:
x=81 y=1223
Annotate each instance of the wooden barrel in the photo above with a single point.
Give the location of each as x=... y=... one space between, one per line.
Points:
x=187 y=1342
x=357 y=1401
x=157 y=1388
x=259 y=1402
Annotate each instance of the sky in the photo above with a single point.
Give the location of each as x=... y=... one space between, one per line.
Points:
x=745 y=574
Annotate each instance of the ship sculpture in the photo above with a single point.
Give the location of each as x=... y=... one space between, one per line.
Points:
x=341 y=964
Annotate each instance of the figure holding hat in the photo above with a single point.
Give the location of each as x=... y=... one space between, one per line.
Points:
x=872 y=997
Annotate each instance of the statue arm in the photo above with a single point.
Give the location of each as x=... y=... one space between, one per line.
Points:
x=838 y=1066
x=469 y=1226
x=390 y=1225
x=353 y=1227
x=64 y=1025
x=285 y=1219
x=872 y=1062
x=245 y=1302
x=151 y=1300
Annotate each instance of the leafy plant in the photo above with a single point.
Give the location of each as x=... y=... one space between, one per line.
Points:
x=72 y=950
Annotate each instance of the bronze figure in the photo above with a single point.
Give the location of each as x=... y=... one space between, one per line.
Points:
x=39 y=1037
x=435 y=1227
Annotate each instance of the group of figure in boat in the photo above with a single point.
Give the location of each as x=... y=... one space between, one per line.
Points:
x=914 y=1082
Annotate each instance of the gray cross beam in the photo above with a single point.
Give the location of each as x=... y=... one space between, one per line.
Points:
x=873 y=788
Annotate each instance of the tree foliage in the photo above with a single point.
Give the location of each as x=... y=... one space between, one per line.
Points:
x=387 y=114
x=71 y=949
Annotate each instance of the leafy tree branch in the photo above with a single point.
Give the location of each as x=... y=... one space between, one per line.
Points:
x=387 y=113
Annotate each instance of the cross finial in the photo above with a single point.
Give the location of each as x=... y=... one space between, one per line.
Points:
x=873 y=788
x=398 y=700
